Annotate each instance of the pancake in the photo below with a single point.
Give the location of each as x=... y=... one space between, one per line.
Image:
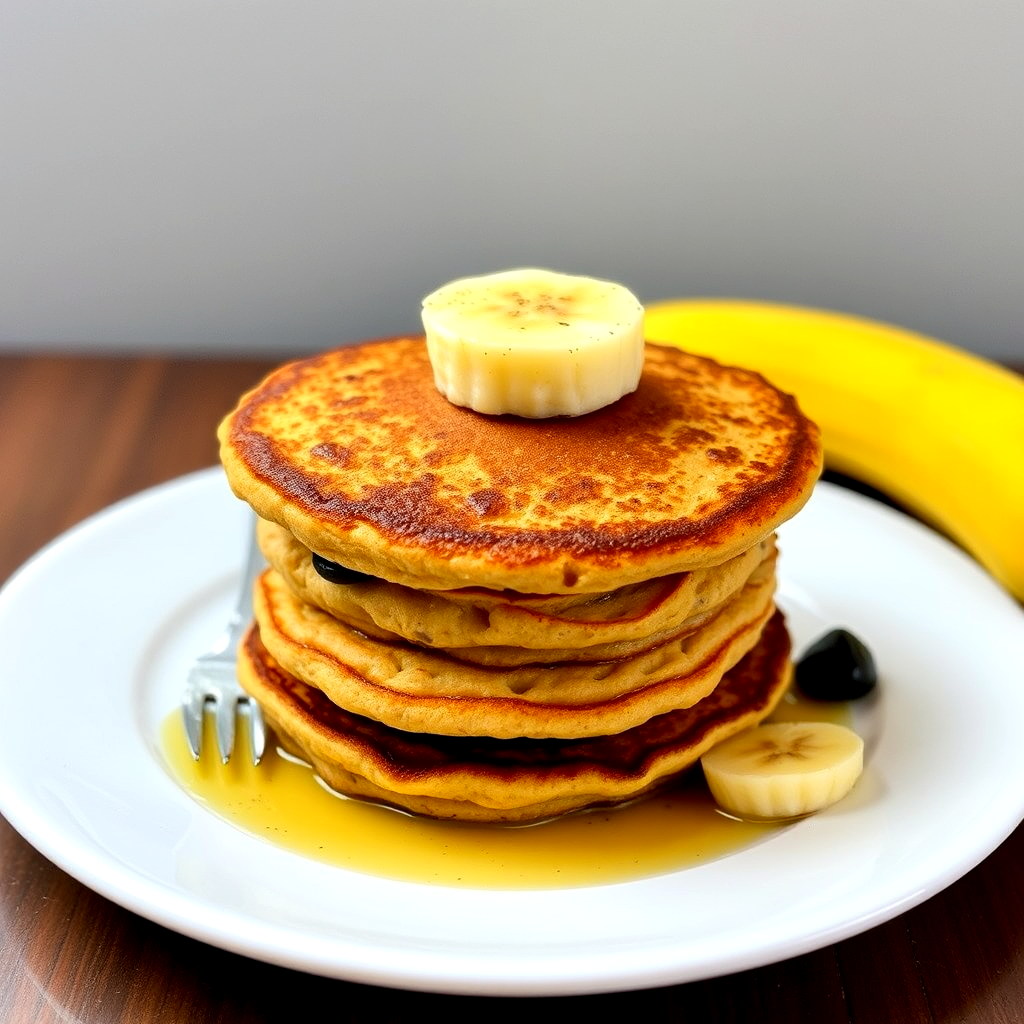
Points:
x=418 y=690
x=516 y=627
x=496 y=618
x=356 y=454
x=489 y=780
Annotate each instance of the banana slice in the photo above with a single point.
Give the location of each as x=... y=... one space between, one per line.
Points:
x=784 y=770
x=534 y=342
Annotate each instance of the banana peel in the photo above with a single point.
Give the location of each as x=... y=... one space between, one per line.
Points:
x=938 y=429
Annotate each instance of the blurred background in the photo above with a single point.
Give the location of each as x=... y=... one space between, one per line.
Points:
x=277 y=176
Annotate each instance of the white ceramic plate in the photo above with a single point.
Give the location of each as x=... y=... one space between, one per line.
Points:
x=139 y=589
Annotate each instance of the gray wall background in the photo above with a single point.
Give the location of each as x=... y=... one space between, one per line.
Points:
x=281 y=175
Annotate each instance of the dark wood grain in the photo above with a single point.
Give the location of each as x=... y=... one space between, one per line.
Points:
x=81 y=433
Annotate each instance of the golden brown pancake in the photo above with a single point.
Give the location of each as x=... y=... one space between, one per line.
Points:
x=506 y=628
x=356 y=453
x=420 y=690
x=476 y=779
x=554 y=614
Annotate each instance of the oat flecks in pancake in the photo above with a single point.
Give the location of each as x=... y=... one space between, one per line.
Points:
x=356 y=453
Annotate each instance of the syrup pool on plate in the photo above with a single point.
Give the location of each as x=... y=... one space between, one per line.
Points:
x=281 y=801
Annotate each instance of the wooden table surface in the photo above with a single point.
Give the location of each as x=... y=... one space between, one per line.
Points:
x=80 y=433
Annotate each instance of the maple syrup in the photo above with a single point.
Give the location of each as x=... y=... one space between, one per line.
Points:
x=282 y=801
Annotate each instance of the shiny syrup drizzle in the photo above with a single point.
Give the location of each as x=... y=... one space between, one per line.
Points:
x=282 y=802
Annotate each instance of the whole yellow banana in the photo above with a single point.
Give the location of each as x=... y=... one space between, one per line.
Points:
x=938 y=429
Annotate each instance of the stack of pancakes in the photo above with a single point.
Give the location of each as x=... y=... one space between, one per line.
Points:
x=504 y=619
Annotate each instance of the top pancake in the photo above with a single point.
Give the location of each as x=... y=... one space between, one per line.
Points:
x=358 y=455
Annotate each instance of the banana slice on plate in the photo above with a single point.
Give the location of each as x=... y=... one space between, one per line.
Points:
x=534 y=342
x=784 y=770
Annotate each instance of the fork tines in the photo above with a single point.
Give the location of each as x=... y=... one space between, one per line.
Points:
x=215 y=687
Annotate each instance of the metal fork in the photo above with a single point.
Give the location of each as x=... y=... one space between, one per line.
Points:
x=212 y=680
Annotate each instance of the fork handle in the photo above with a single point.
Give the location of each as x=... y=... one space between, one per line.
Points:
x=240 y=618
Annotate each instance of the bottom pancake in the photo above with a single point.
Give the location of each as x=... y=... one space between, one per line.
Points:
x=513 y=780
